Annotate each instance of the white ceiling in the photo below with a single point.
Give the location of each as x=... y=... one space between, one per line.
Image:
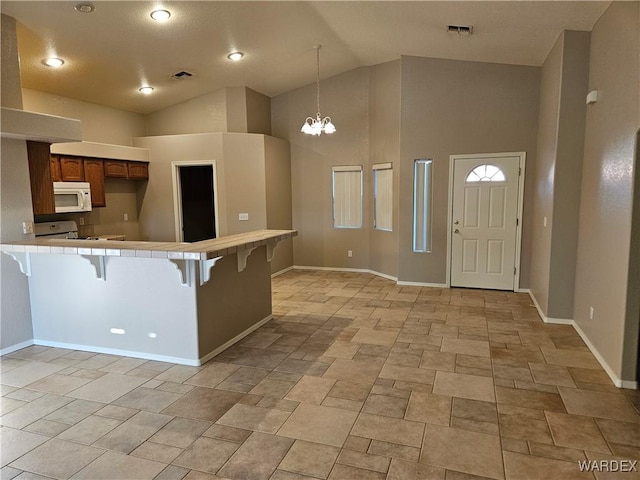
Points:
x=113 y=51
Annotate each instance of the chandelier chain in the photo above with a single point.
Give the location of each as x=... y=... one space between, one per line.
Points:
x=318 y=77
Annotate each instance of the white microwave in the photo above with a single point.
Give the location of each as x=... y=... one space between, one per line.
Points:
x=72 y=197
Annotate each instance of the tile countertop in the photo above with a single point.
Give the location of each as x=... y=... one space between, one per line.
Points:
x=203 y=250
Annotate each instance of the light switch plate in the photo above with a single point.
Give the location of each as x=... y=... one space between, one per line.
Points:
x=27 y=228
x=243 y=216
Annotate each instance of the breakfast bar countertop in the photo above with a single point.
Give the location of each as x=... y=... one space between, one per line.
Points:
x=203 y=250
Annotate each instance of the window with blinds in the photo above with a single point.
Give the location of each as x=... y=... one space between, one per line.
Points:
x=383 y=196
x=347 y=196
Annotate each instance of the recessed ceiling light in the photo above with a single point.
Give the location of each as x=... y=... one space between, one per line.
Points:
x=235 y=56
x=53 y=62
x=85 y=7
x=146 y=90
x=161 y=15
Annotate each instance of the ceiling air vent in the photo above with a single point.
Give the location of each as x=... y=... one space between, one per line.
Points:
x=182 y=75
x=460 y=29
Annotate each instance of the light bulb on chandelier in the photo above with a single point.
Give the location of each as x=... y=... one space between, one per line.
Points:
x=318 y=125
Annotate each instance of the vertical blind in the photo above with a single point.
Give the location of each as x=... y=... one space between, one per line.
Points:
x=347 y=196
x=383 y=196
x=422 y=180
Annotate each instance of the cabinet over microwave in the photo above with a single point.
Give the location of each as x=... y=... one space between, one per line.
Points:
x=72 y=197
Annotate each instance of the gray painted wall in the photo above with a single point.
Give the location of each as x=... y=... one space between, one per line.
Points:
x=558 y=174
x=607 y=188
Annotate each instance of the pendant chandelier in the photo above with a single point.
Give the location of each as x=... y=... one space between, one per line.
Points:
x=318 y=125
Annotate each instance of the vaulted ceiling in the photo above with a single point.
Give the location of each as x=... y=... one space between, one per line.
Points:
x=118 y=48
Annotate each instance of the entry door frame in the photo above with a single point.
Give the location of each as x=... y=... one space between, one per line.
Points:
x=177 y=193
x=452 y=159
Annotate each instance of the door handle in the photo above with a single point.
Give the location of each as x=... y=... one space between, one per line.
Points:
x=456 y=231
x=456 y=222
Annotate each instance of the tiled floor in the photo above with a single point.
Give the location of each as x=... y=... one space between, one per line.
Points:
x=355 y=378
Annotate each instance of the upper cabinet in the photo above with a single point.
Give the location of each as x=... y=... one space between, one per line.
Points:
x=138 y=170
x=94 y=174
x=71 y=169
x=116 y=169
x=40 y=175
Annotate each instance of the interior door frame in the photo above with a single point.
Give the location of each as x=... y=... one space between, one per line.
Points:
x=177 y=193
x=522 y=159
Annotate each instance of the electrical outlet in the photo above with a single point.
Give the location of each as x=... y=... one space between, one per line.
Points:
x=126 y=217
x=243 y=217
x=349 y=253
x=591 y=313
x=27 y=228
x=81 y=220
x=544 y=222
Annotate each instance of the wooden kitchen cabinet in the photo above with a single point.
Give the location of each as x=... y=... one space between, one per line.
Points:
x=71 y=169
x=94 y=174
x=138 y=170
x=54 y=162
x=116 y=169
x=40 y=177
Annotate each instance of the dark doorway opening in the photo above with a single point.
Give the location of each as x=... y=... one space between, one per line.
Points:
x=198 y=205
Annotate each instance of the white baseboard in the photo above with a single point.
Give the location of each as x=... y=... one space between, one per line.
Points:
x=280 y=272
x=523 y=290
x=115 y=351
x=422 y=284
x=235 y=339
x=617 y=381
x=16 y=347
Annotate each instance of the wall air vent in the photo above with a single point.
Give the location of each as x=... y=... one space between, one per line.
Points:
x=182 y=75
x=460 y=29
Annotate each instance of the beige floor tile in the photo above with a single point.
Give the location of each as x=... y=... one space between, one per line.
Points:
x=147 y=399
x=367 y=461
x=46 y=427
x=589 y=375
x=117 y=465
x=551 y=374
x=249 y=417
x=350 y=390
x=429 y=408
x=474 y=348
x=528 y=467
x=408 y=374
x=9 y=404
x=57 y=458
x=342 y=349
x=311 y=389
x=128 y=435
x=247 y=375
x=476 y=410
x=310 y=459
x=177 y=373
x=464 y=451
x=204 y=404
x=319 y=424
x=180 y=432
x=257 y=458
x=385 y=405
x=392 y=430
x=123 y=365
x=173 y=472
x=29 y=373
x=58 y=384
x=212 y=374
x=525 y=428
x=157 y=452
x=356 y=371
x=15 y=443
x=30 y=412
x=620 y=432
x=375 y=337
x=303 y=367
x=464 y=386
x=90 y=429
x=530 y=399
x=230 y=434
x=577 y=431
x=107 y=388
x=206 y=454
x=345 y=472
x=552 y=451
x=614 y=406
x=119 y=413
x=439 y=361
x=570 y=358
x=405 y=470
x=393 y=450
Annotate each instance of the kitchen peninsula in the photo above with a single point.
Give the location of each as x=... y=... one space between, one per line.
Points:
x=176 y=302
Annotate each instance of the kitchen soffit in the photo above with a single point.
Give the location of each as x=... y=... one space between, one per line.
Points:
x=111 y=52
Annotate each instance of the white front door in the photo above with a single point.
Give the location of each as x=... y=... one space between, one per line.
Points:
x=484 y=221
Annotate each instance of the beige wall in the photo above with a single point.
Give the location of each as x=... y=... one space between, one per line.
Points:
x=10 y=92
x=278 y=197
x=385 y=147
x=558 y=174
x=258 y=112
x=454 y=107
x=99 y=123
x=607 y=188
x=346 y=99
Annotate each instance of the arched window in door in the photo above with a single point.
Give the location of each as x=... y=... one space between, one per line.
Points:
x=485 y=173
